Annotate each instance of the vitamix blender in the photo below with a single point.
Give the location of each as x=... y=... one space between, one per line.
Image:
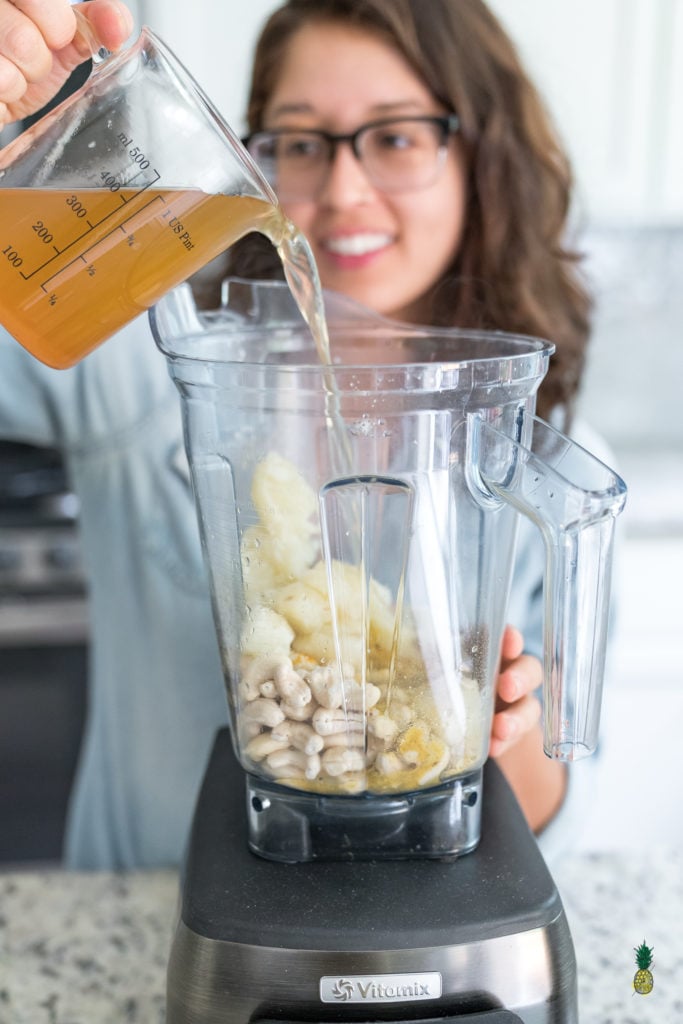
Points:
x=358 y=522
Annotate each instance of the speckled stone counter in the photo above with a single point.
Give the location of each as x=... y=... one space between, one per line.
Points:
x=91 y=948
x=80 y=948
x=613 y=903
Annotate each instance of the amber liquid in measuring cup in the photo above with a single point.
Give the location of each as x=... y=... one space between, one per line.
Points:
x=97 y=261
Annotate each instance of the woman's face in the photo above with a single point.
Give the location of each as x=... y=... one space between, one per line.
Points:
x=383 y=250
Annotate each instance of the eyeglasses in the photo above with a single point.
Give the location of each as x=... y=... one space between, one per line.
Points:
x=397 y=155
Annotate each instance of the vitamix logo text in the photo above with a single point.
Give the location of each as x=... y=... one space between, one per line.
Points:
x=380 y=988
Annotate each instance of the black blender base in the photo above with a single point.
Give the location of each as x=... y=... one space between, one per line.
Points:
x=480 y=940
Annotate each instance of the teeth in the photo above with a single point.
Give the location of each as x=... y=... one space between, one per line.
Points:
x=357 y=245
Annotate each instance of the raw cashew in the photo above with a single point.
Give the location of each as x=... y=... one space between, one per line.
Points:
x=299 y=735
x=291 y=686
x=327 y=721
x=288 y=762
x=299 y=712
x=262 y=745
x=336 y=761
x=326 y=687
x=249 y=729
x=255 y=672
x=344 y=739
x=267 y=712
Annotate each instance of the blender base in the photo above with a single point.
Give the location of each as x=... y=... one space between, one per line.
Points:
x=480 y=940
x=441 y=822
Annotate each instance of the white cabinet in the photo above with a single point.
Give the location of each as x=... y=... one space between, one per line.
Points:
x=612 y=73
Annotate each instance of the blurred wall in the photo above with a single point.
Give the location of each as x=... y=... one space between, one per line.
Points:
x=214 y=41
x=612 y=73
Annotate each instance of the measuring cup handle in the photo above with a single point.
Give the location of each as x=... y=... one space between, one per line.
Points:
x=87 y=42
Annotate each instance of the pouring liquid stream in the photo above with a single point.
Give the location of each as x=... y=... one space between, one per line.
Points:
x=302 y=277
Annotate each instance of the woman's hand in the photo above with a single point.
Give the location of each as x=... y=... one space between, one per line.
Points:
x=516 y=742
x=40 y=47
x=517 y=710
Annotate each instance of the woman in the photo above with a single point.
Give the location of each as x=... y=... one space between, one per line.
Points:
x=406 y=142
x=472 y=235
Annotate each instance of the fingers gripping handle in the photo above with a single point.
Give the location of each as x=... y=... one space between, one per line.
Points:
x=574 y=500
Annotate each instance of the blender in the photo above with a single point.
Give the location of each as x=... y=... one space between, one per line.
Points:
x=353 y=855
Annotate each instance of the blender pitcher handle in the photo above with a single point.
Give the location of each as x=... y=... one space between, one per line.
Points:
x=574 y=499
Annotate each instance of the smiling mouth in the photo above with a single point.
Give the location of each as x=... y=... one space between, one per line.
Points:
x=357 y=245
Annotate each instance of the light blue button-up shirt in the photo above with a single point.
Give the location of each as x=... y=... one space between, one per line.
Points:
x=156 y=693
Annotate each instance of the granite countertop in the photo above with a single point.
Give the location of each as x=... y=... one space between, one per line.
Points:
x=91 y=948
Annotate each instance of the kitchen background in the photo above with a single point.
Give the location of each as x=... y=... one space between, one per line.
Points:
x=613 y=77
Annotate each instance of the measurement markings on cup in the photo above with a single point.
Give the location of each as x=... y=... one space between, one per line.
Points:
x=138 y=219
x=80 y=210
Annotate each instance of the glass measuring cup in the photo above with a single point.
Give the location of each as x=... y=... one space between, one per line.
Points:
x=120 y=193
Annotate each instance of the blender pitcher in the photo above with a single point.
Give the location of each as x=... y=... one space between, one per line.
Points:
x=123 y=191
x=358 y=521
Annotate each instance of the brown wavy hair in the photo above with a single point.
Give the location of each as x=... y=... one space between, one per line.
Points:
x=514 y=270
